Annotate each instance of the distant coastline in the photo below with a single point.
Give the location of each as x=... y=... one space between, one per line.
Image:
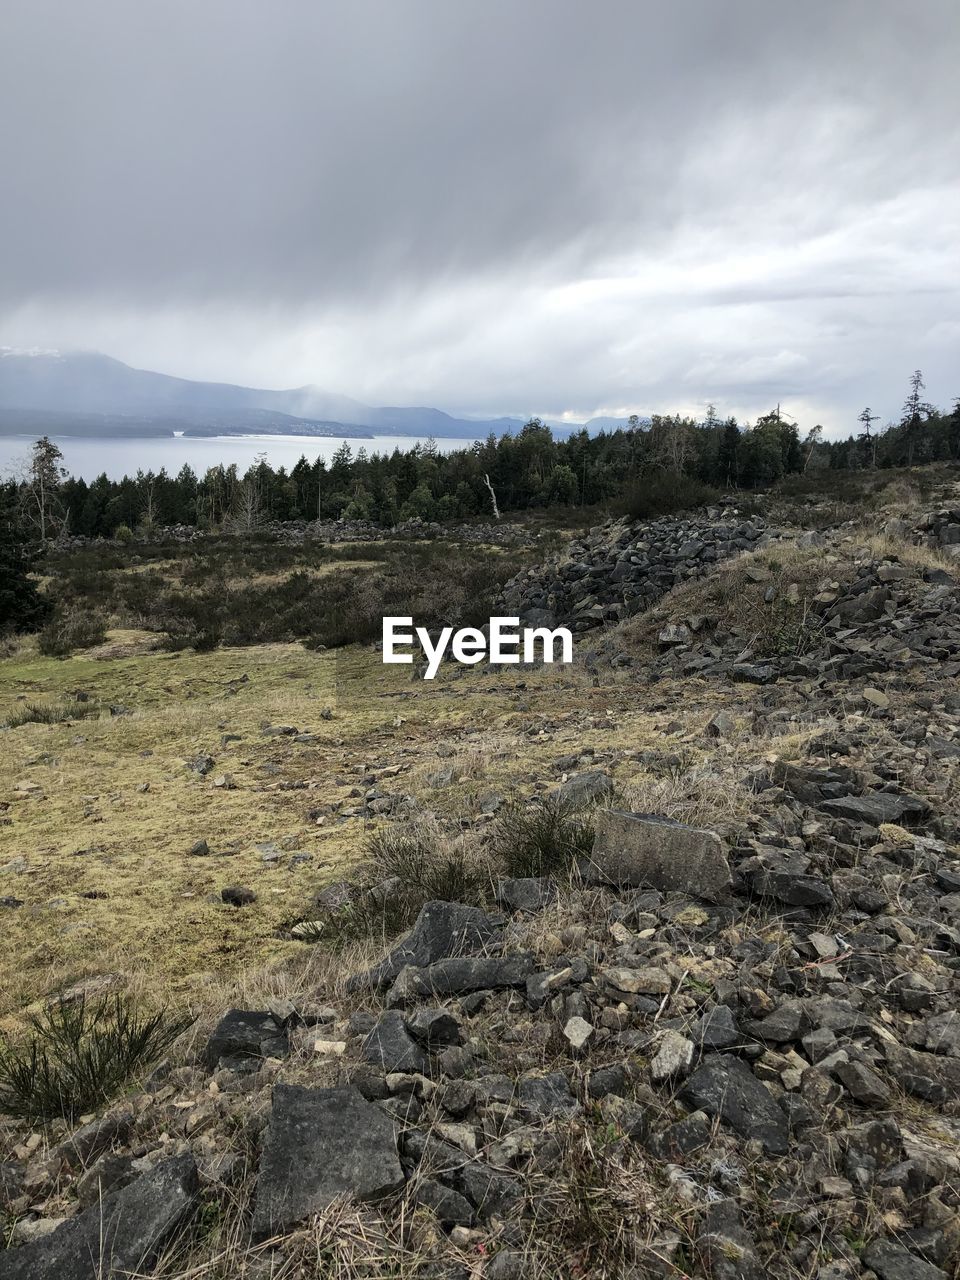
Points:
x=90 y=456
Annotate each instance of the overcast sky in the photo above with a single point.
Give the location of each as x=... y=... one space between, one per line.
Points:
x=493 y=206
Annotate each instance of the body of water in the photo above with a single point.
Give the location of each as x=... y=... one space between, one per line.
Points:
x=89 y=458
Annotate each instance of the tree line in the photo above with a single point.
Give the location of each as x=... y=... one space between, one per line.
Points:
x=511 y=473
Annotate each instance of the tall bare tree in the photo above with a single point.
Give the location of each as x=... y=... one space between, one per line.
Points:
x=868 y=439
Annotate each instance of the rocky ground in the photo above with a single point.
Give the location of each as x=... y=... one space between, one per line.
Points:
x=293 y=532
x=726 y=1046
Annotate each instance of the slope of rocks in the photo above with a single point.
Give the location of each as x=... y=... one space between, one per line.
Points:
x=618 y=570
x=773 y=1068
x=877 y=615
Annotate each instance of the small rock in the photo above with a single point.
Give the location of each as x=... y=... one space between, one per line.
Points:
x=891 y=1261
x=321 y=1144
x=238 y=896
x=390 y=1046
x=578 y=1032
x=725 y=1086
x=674 y=1057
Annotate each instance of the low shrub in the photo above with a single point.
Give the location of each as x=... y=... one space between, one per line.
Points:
x=406 y=866
x=661 y=493
x=74 y=629
x=541 y=839
x=238 y=591
x=78 y=1056
x=52 y=713
x=426 y=867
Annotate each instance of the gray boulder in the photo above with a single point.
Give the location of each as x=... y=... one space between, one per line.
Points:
x=584 y=789
x=926 y=1075
x=435 y=1028
x=878 y=807
x=530 y=894
x=119 y=1236
x=321 y=1144
x=641 y=849
x=442 y=929
x=793 y=890
x=892 y=1261
x=543 y=1096
x=244 y=1033
x=390 y=1046
x=725 y=1086
x=459 y=976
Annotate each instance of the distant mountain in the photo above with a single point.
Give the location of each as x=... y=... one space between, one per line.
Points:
x=115 y=426
x=87 y=394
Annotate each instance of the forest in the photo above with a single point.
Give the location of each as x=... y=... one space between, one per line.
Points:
x=687 y=459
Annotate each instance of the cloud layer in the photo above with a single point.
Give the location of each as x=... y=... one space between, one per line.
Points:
x=492 y=206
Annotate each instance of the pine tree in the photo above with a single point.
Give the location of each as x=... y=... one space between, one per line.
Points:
x=21 y=606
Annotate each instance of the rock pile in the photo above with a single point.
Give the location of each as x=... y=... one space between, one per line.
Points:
x=939 y=530
x=885 y=616
x=295 y=532
x=619 y=570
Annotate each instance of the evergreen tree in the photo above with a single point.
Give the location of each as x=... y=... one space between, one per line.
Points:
x=22 y=608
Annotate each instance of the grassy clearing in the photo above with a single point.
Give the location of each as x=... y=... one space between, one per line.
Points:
x=99 y=816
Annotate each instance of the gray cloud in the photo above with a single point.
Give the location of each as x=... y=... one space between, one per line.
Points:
x=494 y=206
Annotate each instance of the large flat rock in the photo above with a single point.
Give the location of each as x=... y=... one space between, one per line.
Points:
x=321 y=1144
x=442 y=929
x=635 y=849
x=119 y=1236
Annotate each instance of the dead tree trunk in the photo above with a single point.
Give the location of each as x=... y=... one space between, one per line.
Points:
x=493 y=497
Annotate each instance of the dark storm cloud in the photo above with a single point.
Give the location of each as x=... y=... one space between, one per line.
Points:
x=419 y=190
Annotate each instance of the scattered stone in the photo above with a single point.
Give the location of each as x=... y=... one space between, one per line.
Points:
x=453 y=977
x=726 y=1247
x=892 y=1261
x=716 y=1029
x=863 y=1084
x=390 y=1046
x=244 y=1034
x=448 y=1206
x=585 y=789
x=674 y=1057
x=793 y=890
x=442 y=929
x=528 y=895
x=878 y=807
x=546 y=1096
x=648 y=982
x=578 y=1033
x=435 y=1028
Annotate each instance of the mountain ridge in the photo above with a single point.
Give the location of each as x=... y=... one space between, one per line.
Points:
x=88 y=394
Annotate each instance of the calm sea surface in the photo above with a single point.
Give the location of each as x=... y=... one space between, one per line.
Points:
x=88 y=458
